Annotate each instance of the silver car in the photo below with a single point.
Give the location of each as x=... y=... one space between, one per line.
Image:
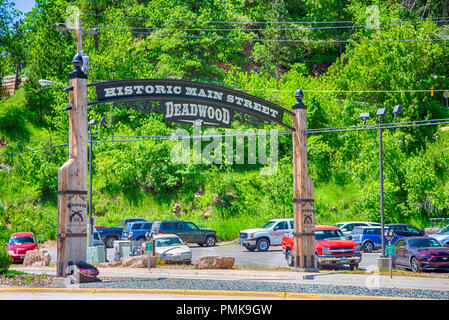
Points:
x=170 y=248
x=442 y=236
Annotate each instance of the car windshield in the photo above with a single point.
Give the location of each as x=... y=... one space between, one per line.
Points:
x=167 y=242
x=424 y=243
x=329 y=235
x=21 y=240
x=268 y=224
x=445 y=230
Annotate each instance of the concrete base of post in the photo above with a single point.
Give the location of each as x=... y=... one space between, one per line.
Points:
x=383 y=263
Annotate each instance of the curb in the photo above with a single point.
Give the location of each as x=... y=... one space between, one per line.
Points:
x=187 y=292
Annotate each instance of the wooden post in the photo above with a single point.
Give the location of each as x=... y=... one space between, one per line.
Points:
x=72 y=177
x=303 y=193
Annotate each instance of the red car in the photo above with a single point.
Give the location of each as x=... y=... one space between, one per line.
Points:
x=331 y=248
x=19 y=244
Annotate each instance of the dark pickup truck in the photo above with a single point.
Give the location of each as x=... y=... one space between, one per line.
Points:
x=109 y=235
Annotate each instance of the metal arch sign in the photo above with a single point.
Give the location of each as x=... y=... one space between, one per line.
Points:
x=185 y=101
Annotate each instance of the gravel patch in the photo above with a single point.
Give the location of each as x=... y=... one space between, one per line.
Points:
x=264 y=286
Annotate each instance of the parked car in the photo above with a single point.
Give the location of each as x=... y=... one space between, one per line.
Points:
x=187 y=231
x=442 y=236
x=347 y=227
x=331 y=248
x=270 y=234
x=405 y=230
x=19 y=243
x=369 y=238
x=418 y=253
x=170 y=248
x=137 y=230
x=109 y=235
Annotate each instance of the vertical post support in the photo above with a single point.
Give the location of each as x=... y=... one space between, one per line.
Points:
x=72 y=178
x=303 y=193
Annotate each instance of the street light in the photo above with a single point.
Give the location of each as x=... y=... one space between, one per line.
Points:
x=91 y=123
x=380 y=113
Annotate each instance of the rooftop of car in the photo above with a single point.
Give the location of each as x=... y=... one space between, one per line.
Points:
x=323 y=227
x=22 y=234
x=165 y=235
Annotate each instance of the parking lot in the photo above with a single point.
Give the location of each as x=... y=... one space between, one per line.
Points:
x=273 y=258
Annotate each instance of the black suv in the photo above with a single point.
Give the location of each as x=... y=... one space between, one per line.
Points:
x=187 y=231
x=405 y=230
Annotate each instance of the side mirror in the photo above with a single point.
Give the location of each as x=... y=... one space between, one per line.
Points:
x=349 y=237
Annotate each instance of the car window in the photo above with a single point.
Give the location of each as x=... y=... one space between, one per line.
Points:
x=329 y=235
x=147 y=226
x=269 y=224
x=179 y=225
x=377 y=231
x=400 y=243
x=165 y=242
x=292 y=225
x=136 y=226
x=190 y=226
x=357 y=231
x=412 y=229
x=424 y=243
x=445 y=230
x=282 y=225
x=166 y=226
x=21 y=240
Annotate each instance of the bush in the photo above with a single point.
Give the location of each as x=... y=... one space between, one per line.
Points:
x=5 y=260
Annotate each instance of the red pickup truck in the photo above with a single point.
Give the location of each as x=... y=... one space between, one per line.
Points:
x=331 y=248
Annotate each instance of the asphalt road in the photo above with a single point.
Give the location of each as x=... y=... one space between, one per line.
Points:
x=272 y=258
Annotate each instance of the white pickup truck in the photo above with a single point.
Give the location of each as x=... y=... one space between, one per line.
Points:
x=270 y=234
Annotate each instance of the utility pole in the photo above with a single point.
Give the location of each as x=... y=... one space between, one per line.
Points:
x=72 y=176
x=303 y=193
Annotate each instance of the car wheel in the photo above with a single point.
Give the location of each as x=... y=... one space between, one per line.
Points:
x=262 y=244
x=415 y=265
x=368 y=246
x=250 y=248
x=354 y=266
x=290 y=258
x=210 y=241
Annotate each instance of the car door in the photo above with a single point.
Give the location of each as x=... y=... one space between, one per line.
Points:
x=194 y=233
x=399 y=257
x=278 y=232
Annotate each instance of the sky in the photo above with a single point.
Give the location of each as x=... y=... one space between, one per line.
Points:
x=24 y=5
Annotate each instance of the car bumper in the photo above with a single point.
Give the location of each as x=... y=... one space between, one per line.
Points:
x=176 y=259
x=339 y=260
x=247 y=242
x=17 y=257
x=434 y=265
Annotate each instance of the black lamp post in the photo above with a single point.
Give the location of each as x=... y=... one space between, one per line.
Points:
x=381 y=112
x=91 y=224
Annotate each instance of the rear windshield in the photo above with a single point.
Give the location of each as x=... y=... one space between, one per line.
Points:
x=166 y=226
x=21 y=240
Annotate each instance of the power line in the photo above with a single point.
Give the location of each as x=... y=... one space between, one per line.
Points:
x=409 y=124
x=256 y=22
x=284 y=40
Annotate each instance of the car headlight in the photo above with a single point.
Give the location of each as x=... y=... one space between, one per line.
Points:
x=326 y=250
x=10 y=252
